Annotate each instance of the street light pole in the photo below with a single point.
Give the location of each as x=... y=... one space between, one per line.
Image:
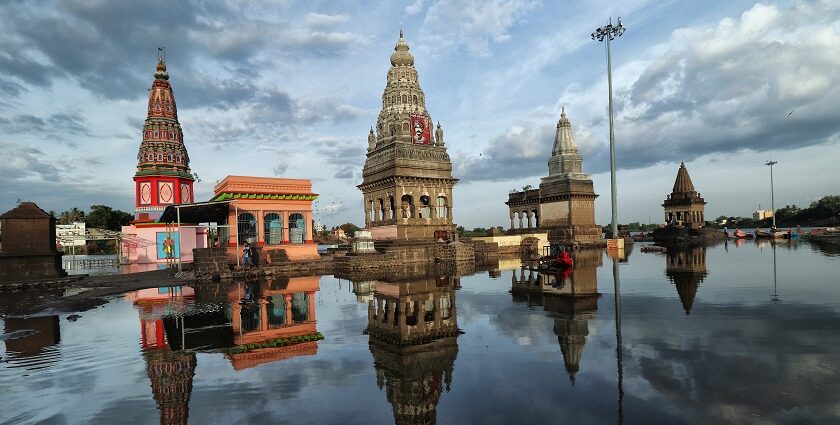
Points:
x=608 y=33
x=772 y=201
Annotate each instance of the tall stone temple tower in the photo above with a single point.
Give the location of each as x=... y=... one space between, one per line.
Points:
x=684 y=206
x=408 y=181
x=163 y=174
x=564 y=205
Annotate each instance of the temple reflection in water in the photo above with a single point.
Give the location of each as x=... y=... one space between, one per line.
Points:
x=685 y=267
x=571 y=297
x=413 y=331
x=241 y=320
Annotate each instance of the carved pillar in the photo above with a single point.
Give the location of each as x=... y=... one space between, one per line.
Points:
x=519 y=214
x=511 y=218
x=367 y=214
x=371 y=311
x=528 y=215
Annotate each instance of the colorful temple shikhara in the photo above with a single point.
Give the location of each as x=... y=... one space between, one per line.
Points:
x=684 y=206
x=163 y=178
x=564 y=205
x=270 y=213
x=408 y=181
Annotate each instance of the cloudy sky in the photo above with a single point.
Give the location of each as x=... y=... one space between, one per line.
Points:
x=274 y=88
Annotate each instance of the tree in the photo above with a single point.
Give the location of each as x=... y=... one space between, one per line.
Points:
x=349 y=229
x=104 y=217
x=71 y=216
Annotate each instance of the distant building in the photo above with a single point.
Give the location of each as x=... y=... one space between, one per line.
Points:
x=339 y=234
x=762 y=214
x=69 y=234
x=319 y=227
x=684 y=206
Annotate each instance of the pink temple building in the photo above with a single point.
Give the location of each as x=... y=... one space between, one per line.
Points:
x=270 y=213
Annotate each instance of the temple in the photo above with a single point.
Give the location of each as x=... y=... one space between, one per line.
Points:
x=685 y=267
x=684 y=206
x=413 y=330
x=570 y=297
x=684 y=214
x=407 y=177
x=163 y=178
x=564 y=204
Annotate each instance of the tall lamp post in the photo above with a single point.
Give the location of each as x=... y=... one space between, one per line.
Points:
x=608 y=33
x=772 y=201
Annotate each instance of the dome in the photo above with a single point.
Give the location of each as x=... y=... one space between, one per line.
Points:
x=401 y=57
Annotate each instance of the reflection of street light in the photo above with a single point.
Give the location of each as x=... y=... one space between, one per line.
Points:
x=775 y=299
x=772 y=201
x=608 y=33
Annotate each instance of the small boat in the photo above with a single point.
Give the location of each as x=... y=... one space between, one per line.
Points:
x=741 y=235
x=770 y=234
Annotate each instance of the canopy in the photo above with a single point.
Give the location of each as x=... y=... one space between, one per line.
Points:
x=203 y=212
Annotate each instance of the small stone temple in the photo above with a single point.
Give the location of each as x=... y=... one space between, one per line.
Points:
x=564 y=204
x=684 y=206
x=27 y=244
x=685 y=267
x=407 y=177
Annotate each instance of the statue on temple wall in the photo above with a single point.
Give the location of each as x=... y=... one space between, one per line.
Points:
x=439 y=135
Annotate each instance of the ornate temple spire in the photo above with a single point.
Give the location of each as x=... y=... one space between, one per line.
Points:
x=565 y=160
x=683 y=182
x=403 y=116
x=162 y=151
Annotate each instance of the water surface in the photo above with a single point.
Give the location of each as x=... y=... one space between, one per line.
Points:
x=707 y=335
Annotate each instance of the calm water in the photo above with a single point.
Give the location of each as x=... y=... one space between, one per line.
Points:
x=708 y=335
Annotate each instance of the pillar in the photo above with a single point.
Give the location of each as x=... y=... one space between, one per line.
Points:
x=263 y=314
x=519 y=214
x=310 y=295
x=284 y=221
x=528 y=214
x=511 y=218
x=260 y=227
x=288 y=303
x=307 y=215
x=367 y=213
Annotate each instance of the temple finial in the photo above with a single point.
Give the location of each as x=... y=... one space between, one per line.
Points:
x=401 y=33
x=161 y=54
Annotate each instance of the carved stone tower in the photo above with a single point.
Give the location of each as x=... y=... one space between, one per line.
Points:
x=408 y=182
x=163 y=167
x=567 y=197
x=684 y=206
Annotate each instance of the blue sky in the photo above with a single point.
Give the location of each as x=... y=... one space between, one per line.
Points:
x=291 y=89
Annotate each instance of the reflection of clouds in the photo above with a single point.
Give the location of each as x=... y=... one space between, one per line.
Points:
x=728 y=364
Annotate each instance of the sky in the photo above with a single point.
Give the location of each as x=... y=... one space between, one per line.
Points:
x=291 y=89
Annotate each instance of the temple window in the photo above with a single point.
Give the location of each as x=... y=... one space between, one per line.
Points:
x=407 y=206
x=160 y=157
x=429 y=311
x=157 y=133
x=246 y=226
x=170 y=158
x=415 y=99
x=300 y=307
x=425 y=207
x=404 y=100
x=445 y=305
x=405 y=127
x=297 y=228
x=441 y=207
x=411 y=313
x=276 y=309
x=272 y=228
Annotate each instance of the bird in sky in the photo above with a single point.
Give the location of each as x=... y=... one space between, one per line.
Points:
x=789 y=113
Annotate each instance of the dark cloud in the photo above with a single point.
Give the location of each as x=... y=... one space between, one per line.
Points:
x=521 y=151
x=102 y=45
x=56 y=127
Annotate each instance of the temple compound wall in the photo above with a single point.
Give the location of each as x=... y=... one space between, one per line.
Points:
x=564 y=204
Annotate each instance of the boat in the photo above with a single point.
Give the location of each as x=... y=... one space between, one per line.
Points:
x=738 y=234
x=772 y=233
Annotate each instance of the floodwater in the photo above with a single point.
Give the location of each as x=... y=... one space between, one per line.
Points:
x=731 y=333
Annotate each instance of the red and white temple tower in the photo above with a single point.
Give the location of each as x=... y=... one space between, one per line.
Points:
x=163 y=178
x=163 y=166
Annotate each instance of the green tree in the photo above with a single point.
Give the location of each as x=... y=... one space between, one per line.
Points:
x=349 y=229
x=71 y=216
x=104 y=217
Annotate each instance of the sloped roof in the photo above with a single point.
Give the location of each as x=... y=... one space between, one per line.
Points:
x=26 y=210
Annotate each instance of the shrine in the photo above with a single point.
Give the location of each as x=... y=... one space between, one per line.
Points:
x=407 y=186
x=564 y=204
x=163 y=178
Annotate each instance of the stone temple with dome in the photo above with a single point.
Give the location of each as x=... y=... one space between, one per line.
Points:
x=407 y=178
x=564 y=204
